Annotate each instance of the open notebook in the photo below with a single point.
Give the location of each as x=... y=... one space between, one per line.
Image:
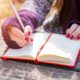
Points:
x=47 y=48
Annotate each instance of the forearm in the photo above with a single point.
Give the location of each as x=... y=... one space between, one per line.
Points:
x=39 y=7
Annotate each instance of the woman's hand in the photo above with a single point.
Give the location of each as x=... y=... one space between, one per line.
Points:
x=21 y=38
x=73 y=32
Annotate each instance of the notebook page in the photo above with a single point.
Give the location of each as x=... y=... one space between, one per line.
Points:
x=60 y=46
x=30 y=49
x=39 y=40
x=19 y=53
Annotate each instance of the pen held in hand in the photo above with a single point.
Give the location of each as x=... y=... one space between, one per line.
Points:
x=16 y=14
x=28 y=39
x=19 y=20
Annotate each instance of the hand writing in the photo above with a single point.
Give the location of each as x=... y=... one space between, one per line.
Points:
x=21 y=38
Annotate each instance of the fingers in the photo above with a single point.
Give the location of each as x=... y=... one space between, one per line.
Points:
x=28 y=29
x=15 y=38
x=76 y=33
x=18 y=33
x=78 y=37
x=72 y=29
x=21 y=42
x=19 y=37
x=73 y=32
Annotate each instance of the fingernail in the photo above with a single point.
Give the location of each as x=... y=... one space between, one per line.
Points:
x=27 y=39
x=78 y=38
x=68 y=35
x=72 y=37
x=29 y=33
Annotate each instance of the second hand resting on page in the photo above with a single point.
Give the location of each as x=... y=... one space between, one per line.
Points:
x=73 y=32
x=21 y=38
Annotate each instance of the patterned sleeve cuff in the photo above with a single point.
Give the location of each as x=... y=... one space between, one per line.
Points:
x=72 y=22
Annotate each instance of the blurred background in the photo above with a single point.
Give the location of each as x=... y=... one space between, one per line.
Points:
x=5 y=10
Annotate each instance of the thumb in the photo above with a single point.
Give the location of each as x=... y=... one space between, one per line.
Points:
x=28 y=30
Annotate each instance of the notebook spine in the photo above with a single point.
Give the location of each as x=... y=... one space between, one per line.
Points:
x=36 y=60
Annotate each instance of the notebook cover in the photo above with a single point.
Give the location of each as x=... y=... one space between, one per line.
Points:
x=37 y=62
